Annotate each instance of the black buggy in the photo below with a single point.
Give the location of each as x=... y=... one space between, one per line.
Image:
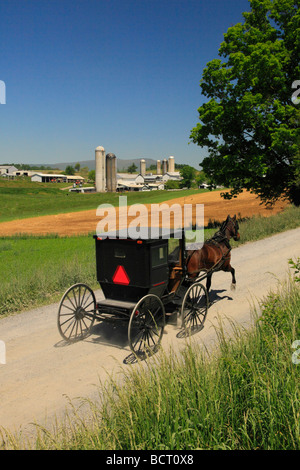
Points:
x=144 y=281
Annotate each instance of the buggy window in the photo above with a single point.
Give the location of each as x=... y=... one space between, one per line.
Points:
x=119 y=253
x=159 y=256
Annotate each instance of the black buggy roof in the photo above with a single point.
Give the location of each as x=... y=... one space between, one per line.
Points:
x=147 y=234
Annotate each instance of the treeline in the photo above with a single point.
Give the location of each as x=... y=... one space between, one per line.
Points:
x=25 y=166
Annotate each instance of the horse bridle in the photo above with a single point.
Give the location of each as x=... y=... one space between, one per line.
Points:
x=234 y=231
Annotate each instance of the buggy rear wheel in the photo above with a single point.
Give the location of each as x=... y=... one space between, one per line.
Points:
x=146 y=326
x=76 y=313
x=194 y=308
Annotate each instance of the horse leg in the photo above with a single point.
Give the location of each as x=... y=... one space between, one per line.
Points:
x=233 y=284
x=208 y=284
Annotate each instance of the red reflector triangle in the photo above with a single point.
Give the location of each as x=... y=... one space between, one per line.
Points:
x=120 y=276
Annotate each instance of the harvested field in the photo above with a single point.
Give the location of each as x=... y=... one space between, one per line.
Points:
x=75 y=223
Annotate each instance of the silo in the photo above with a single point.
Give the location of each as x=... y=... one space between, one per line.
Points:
x=111 y=172
x=158 y=167
x=143 y=167
x=165 y=166
x=171 y=164
x=100 y=169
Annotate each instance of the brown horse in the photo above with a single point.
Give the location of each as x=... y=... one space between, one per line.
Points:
x=215 y=253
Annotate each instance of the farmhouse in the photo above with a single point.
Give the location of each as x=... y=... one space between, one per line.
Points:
x=7 y=169
x=130 y=182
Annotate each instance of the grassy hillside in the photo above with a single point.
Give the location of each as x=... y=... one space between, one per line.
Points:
x=23 y=198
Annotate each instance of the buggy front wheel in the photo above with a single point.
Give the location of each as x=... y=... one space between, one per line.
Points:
x=146 y=326
x=76 y=312
x=194 y=308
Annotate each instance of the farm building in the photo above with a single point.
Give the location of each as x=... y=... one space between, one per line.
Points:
x=58 y=178
x=7 y=169
x=73 y=179
x=134 y=182
x=172 y=175
x=48 y=178
x=24 y=173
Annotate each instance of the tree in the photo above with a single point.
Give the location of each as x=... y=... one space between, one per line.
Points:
x=172 y=184
x=77 y=167
x=201 y=178
x=188 y=174
x=132 y=168
x=69 y=170
x=92 y=175
x=250 y=125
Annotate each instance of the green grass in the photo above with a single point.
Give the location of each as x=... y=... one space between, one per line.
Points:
x=23 y=199
x=36 y=271
x=241 y=395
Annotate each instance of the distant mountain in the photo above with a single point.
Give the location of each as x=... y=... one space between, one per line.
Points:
x=121 y=164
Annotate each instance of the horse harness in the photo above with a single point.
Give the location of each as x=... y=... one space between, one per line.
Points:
x=217 y=238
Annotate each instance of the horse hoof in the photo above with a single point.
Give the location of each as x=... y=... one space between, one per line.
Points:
x=232 y=286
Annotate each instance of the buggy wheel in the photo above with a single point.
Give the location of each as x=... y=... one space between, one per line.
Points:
x=146 y=325
x=76 y=313
x=194 y=308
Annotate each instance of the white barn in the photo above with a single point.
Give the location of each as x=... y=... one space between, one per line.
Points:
x=7 y=169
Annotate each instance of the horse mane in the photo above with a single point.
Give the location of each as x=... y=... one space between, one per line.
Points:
x=219 y=236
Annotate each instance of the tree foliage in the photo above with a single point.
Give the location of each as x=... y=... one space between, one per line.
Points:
x=250 y=125
x=132 y=168
x=92 y=175
x=69 y=170
x=188 y=174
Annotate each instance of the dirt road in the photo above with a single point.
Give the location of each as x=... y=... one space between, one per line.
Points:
x=42 y=371
x=73 y=223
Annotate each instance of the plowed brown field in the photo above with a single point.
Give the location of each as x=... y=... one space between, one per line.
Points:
x=75 y=223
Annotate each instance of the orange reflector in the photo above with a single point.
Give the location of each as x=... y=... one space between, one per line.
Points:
x=139 y=242
x=120 y=276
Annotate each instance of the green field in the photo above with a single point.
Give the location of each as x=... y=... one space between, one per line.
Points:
x=36 y=271
x=22 y=198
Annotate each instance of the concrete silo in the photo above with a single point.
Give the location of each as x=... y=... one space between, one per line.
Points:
x=100 y=175
x=171 y=164
x=158 y=167
x=164 y=166
x=143 y=167
x=111 y=172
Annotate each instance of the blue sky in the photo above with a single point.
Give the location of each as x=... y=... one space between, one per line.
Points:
x=123 y=74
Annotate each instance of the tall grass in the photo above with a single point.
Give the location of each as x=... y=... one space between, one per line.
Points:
x=35 y=271
x=241 y=395
x=259 y=227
